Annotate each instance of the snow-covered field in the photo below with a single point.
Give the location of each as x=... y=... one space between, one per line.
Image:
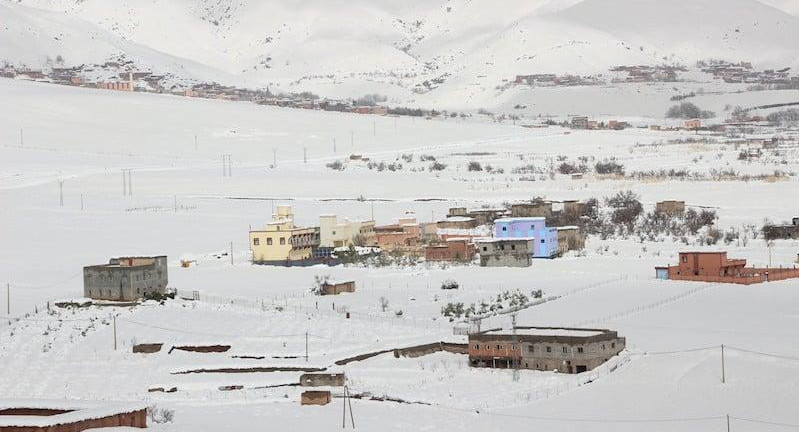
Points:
x=182 y=206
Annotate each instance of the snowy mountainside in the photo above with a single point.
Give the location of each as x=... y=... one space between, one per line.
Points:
x=415 y=52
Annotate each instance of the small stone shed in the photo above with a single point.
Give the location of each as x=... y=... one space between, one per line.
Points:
x=335 y=288
x=315 y=397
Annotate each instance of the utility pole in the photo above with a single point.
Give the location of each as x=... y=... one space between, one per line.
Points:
x=274 y=158
x=227 y=166
x=516 y=344
x=81 y=202
x=352 y=140
x=175 y=197
x=21 y=138
x=306 y=347
x=334 y=145
x=374 y=127
x=196 y=145
x=347 y=399
x=305 y=155
x=8 y=299
x=127 y=185
x=728 y=423
x=373 y=211
x=115 y=332
x=723 y=372
x=231 y=254
x=61 y=192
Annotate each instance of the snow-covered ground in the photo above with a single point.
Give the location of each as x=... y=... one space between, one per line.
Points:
x=182 y=206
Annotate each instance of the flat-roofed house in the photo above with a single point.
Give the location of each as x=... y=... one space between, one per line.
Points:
x=562 y=349
x=281 y=241
x=126 y=278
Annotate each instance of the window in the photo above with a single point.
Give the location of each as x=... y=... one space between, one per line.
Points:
x=477 y=346
x=603 y=346
x=269 y=241
x=613 y=345
x=282 y=240
x=499 y=347
x=256 y=241
x=513 y=247
x=685 y=258
x=543 y=241
x=334 y=233
x=513 y=347
x=565 y=350
x=579 y=350
x=504 y=228
x=485 y=249
x=531 y=348
x=549 y=349
x=502 y=247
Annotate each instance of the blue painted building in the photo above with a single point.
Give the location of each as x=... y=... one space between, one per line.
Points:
x=545 y=239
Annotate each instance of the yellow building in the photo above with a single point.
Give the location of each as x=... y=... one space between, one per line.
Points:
x=281 y=240
x=335 y=233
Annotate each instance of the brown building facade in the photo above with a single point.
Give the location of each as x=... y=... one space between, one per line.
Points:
x=566 y=350
x=460 y=250
x=338 y=288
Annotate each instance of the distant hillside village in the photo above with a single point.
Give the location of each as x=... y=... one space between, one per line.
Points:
x=121 y=75
x=740 y=72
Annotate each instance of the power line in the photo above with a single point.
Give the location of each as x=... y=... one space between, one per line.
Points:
x=677 y=351
x=762 y=353
x=581 y=420
x=50 y=285
x=765 y=422
x=219 y=334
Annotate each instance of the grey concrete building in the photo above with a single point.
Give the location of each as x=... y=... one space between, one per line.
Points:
x=126 y=278
x=566 y=350
x=505 y=252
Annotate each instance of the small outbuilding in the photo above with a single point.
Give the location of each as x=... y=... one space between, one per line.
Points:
x=322 y=380
x=315 y=397
x=335 y=288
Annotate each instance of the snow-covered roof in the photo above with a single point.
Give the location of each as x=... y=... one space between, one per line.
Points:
x=520 y=219
x=458 y=219
x=503 y=239
x=549 y=332
x=79 y=410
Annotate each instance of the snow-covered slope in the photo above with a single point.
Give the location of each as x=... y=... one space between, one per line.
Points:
x=463 y=47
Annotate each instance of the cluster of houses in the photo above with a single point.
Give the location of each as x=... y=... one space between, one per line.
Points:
x=583 y=122
x=645 y=73
x=144 y=81
x=553 y=80
x=743 y=72
x=501 y=237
